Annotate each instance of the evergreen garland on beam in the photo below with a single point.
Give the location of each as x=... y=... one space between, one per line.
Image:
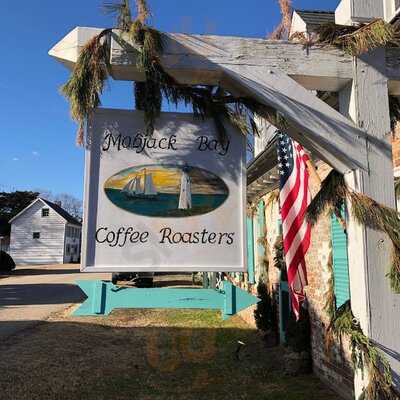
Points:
x=359 y=39
x=85 y=86
x=352 y=39
x=86 y=83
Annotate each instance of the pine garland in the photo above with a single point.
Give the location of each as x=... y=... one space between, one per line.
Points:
x=366 y=211
x=364 y=355
x=279 y=257
x=356 y=40
x=86 y=84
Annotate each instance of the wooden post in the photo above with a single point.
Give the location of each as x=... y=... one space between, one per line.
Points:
x=365 y=101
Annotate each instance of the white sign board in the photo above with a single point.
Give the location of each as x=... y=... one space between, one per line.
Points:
x=174 y=201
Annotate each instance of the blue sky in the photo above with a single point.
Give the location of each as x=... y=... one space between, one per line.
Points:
x=37 y=135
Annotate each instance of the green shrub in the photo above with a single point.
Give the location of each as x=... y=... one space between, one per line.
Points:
x=265 y=313
x=7 y=264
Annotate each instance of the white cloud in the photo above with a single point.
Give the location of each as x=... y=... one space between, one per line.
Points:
x=35 y=153
x=15 y=159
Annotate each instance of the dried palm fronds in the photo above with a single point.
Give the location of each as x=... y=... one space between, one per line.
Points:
x=356 y=40
x=272 y=198
x=122 y=11
x=142 y=10
x=364 y=355
x=84 y=87
x=281 y=32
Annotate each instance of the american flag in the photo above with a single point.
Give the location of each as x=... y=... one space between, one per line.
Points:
x=294 y=199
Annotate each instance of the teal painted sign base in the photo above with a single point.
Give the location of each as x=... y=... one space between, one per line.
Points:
x=103 y=297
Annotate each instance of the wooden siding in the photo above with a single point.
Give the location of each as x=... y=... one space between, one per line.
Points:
x=49 y=248
x=72 y=241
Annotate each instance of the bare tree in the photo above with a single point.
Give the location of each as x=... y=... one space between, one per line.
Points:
x=68 y=202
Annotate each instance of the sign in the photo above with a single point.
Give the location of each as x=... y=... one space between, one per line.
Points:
x=173 y=201
x=103 y=297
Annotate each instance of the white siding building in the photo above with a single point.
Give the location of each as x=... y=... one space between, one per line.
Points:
x=44 y=233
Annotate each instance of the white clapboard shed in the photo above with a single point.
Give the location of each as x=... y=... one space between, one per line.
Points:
x=44 y=233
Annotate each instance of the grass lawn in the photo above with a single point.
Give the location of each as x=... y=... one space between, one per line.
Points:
x=146 y=355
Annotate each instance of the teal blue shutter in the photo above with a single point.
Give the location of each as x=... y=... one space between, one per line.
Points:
x=250 y=249
x=340 y=262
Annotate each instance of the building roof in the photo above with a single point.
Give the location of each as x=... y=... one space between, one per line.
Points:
x=58 y=209
x=314 y=19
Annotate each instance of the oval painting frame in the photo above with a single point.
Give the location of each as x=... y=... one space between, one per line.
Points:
x=166 y=191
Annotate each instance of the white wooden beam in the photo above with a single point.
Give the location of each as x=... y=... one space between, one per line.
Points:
x=197 y=59
x=315 y=124
x=373 y=302
x=321 y=129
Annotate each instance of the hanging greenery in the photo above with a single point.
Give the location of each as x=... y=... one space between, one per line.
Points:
x=279 y=258
x=366 y=211
x=364 y=355
x=358 y=39
x=281 y=32
x=85 y=86
x=86 y=83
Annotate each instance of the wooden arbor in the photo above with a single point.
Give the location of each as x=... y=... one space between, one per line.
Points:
x=354 y=141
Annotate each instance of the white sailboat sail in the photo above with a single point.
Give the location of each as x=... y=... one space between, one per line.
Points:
x=185 y=197
x=149 y=188
x=128 y=187
x=138 y=187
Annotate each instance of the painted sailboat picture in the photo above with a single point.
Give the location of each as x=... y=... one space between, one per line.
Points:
x=166 y=191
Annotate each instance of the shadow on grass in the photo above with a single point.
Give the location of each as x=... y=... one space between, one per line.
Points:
x=39 y=293
x=149 y=354
x=44 y=271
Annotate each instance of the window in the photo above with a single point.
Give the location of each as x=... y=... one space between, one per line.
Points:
x=67 y=249
x=36 y=235
x=45 y=212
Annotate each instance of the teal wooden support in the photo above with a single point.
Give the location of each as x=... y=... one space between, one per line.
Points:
x=250 y=249
x=340 y=262
x=103 y=297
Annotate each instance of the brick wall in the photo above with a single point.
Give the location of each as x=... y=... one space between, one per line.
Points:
x=334 y=370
